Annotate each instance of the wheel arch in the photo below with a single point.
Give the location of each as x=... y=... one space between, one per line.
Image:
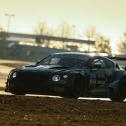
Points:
x=117 y=90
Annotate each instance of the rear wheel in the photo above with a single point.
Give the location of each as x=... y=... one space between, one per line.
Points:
x=116 y=97
x=120 y=95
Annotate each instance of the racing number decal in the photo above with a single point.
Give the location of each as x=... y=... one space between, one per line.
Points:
x=92 y=80
x=109 y=72
x=97 y=78
x=109 y=75
x=101 y=79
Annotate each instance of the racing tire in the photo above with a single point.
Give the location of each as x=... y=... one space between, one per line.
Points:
x=17 y=92
x=116 y=97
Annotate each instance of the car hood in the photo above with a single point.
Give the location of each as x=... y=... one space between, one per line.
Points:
x=44 y=68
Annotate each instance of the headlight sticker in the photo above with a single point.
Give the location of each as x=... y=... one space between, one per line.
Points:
x=56 y=78
x=14 y=75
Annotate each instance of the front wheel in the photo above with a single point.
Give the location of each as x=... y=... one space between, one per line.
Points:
x=16 y=91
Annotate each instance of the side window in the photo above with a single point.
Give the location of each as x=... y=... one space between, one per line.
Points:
x=98 y=62
x=109 y=63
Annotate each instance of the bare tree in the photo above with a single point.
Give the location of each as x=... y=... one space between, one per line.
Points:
x=122 y=44
x=43 y=29
x=91 y=33
x=66 y=30
x=102 y=43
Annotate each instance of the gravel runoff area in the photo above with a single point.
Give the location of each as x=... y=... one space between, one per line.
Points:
x=44 y=111
x=4 y=70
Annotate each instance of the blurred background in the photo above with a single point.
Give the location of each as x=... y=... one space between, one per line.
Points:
x=30 y=30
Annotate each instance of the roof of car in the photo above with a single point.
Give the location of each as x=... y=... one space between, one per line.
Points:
x=85 y=54
x=90 y=55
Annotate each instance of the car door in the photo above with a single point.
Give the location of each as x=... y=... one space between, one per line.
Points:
x=110 y=70
x=97 y=79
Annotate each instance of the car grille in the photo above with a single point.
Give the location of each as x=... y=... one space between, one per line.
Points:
x=32 y=78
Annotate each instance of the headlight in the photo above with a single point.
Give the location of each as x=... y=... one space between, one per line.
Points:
x=14 y=74
x=56 y=78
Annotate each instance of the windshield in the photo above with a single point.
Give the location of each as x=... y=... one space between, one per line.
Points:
x=65 y=60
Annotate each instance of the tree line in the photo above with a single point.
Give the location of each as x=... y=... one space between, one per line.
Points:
x=102 y=43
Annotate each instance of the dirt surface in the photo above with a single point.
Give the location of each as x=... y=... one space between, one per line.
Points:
x=39 y=111
x=6 y=66
x=4 y=71
x=43 y=111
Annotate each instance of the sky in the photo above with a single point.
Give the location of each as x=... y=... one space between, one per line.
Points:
x=108 y=16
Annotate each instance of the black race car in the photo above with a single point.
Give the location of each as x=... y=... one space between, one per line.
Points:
x=72 y=75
